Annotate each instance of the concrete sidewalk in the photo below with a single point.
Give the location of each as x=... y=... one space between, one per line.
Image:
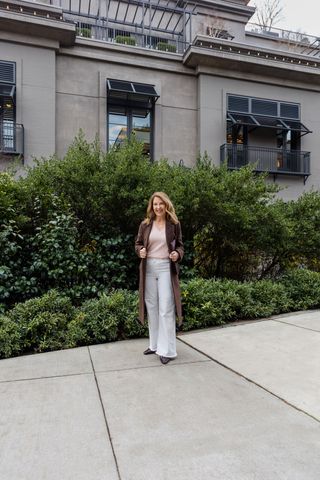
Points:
x=240 y=402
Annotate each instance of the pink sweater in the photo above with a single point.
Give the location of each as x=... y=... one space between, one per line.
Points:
x=157 y=246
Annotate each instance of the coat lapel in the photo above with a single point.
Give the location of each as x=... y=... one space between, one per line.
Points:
x=146 y=234
x=170 y=236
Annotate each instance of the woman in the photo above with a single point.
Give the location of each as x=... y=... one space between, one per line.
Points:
x=159 y=245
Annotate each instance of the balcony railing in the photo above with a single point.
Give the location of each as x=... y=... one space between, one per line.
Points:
x=272 y=160
x=173 y=43
x=300 y=42
x=11 y=138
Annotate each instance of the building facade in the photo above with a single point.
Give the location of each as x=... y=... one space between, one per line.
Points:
x=184 y=77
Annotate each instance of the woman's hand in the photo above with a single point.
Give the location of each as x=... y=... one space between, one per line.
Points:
x=174 y=256
x=143 y=252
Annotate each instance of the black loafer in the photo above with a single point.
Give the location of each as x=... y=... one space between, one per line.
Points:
x=149 y=352
x=165 y=360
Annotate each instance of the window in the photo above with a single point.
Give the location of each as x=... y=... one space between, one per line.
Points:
x=130 y=108
x=256 y=113
x=7 y=107
x=266 y=133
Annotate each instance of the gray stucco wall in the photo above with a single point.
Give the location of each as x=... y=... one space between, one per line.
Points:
x=35 y=97
x=81 y=103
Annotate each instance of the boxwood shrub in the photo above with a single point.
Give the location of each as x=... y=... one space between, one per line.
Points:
x=51 y=322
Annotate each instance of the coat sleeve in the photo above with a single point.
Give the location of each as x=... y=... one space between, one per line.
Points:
x=179 y=243
x=139 y=240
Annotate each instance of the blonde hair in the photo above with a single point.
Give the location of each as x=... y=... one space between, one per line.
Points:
x=170 y=211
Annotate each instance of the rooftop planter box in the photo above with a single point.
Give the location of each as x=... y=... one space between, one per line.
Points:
x=84 y=32
x=166 y=47
x=125 y=40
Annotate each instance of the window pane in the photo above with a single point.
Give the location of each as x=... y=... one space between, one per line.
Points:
x=141 y=128
x=139 y=122
x=118 y=129
x=8 y=134
x=118 y=119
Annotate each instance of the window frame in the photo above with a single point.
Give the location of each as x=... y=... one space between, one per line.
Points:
x=130 y=101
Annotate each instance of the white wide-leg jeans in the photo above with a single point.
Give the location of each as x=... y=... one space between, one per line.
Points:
x=160 y=305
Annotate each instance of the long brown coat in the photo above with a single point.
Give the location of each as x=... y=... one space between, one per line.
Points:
x=174 y=242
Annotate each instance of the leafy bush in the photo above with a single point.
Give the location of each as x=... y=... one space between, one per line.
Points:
x=42 y=321
x=12 y=199
x=10 y=337
x=102 y=317
x=55 y=252
x=51 y=322
x=303 y=246
x=215 y=301
x=208 y=302
x=70 y=223
x=16 y=280
x=262 y=299
x=303 y=287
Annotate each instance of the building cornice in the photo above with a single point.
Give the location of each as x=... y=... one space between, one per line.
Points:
x=227 y=7
x=259 y=60
x=150 y=59
x=32 y=8
x=34 y=25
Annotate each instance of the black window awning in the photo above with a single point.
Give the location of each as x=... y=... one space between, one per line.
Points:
x=131 y=93
x=257 y=121
x=7 y=90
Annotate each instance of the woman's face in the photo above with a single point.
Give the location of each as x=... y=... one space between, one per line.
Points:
x=159 y=207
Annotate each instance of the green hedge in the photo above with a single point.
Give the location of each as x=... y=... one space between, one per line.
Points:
x=69 y=224
x=51 y=322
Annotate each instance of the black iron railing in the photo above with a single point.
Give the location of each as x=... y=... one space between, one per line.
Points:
x=11 y=138
x=169 y=43
x=265 y=159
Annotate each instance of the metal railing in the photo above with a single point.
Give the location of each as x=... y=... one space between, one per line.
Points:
x=11 y=138
x=301 y=42
x=265 y=159
x=165 y=43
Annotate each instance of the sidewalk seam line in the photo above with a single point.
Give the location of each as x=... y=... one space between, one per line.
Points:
x=105 y=415
x=141 y=367
x=252 y=381
x=30 y=379
x=297 y=326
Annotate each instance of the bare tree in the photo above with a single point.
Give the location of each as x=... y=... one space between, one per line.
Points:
x=269 y=12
